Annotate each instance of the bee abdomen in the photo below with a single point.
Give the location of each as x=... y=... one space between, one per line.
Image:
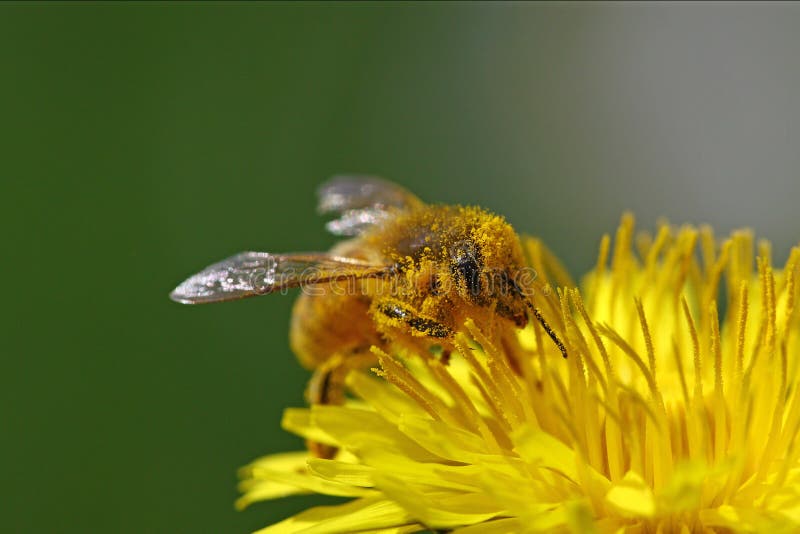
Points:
x=330 y=324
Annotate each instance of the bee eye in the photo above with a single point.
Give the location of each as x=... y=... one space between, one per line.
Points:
x=466 y=267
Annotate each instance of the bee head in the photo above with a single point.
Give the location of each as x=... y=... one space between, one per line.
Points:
x=466 y=267
x=487 y=265
x=485 y=285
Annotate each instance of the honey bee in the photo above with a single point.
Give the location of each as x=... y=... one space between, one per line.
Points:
x=410 y=275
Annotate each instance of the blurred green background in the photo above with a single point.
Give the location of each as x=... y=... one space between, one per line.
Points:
x=141 y=142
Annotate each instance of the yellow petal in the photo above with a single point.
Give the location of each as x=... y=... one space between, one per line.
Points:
x=434 y=475
x=632 y=497
x=307 y=481
x=416 y=527
x=385 y=399
x=284 y=461
x=543 y=449
x=362 y=429
x=342 y=472
x=261 y=490
x=580 y=519
x=298 y=421
x=444 y=440
x=545 y=521
x=264 y=491
x=371 y=513
x=741 y=519
x=508 y=525
x=439 y=509
x=685 y=488
x=727 y=516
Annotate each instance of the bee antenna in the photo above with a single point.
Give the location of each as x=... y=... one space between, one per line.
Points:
x=547 y=328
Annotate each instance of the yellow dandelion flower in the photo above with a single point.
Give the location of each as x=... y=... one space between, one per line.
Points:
x=677 y=410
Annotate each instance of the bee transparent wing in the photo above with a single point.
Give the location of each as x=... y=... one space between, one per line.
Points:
x=342 y=193
x=361 y=201
x=249 y=274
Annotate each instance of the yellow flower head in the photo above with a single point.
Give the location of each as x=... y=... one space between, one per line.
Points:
x=677 y=410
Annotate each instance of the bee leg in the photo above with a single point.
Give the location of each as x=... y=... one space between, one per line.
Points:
x=321 y=450
x=327 y=386
x=399 y=313
x=327 y=383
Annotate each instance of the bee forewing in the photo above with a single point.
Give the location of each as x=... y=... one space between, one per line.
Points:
x=362 y=201
x=249 y=274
